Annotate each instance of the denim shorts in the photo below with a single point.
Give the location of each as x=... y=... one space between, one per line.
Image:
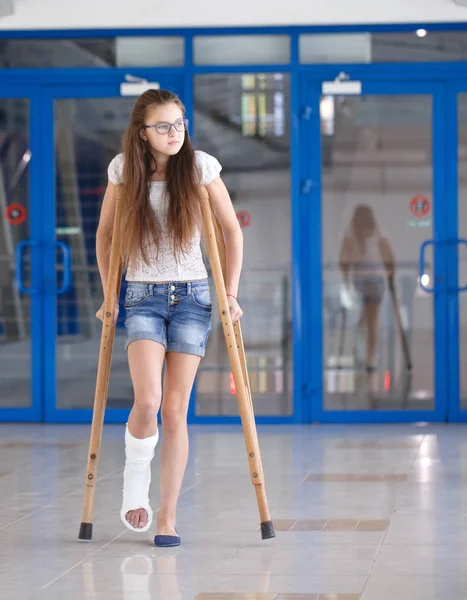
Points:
x=371 y=289
x=177 y=315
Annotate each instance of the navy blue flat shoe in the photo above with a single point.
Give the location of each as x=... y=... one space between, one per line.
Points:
x=167 y=541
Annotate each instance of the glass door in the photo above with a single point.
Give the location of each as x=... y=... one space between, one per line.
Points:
x=377 y=294
x=88 y=124
x=20 y=256
x=244 y=120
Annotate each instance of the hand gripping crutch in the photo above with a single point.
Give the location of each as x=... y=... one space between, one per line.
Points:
x=103 y=375
x=236 y=351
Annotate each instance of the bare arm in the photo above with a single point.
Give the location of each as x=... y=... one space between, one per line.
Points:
x=345 y=257
x=104 y=233
x=233 y=236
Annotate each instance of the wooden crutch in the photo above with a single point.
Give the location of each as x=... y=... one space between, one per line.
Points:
x=400 y=327
x=103 y=376
x=236 y=351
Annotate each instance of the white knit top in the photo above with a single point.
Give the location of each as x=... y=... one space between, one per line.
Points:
x=164 y=266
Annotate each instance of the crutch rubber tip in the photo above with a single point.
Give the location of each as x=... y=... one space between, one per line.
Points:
x=85 y=531
x=267 y=530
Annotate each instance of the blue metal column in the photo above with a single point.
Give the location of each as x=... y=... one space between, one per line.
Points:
x=450 y=117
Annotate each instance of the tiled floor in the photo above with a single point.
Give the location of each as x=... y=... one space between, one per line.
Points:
x=362 y=513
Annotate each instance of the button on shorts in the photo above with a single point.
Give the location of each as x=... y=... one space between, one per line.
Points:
x=176 y=315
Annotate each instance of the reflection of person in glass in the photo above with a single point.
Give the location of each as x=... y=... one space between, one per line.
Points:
x=366 y=257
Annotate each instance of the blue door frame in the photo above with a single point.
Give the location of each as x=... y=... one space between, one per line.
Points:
x=167 y=78
x=455 y=287
x=311 y=234
x=46 y=85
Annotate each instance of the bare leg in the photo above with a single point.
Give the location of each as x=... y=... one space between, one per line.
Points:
x=371 y=314
x=179 y=377
x=146 y=359
x=359 y=327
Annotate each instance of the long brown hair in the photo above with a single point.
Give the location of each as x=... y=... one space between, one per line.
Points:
x=363 y=225
x=139 y=225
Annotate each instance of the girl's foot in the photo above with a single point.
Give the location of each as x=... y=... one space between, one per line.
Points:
x=137 y=518
x=136 y=513
x=166 y=528
x=167 y=536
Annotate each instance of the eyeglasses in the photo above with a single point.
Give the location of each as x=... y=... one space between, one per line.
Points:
x=165 y=128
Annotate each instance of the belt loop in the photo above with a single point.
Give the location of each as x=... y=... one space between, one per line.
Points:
x=151 y=289
x=188 y=288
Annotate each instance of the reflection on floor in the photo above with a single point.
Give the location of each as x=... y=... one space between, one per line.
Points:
x=362 y=513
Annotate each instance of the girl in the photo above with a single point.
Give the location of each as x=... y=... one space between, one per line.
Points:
x=367 y=258
x=167 y=302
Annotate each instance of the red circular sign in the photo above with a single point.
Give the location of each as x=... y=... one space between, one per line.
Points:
x=15 y=214
x=420 y=206
x=244 y=218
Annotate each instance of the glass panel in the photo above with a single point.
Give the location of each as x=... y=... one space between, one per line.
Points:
x=244 y=121
x=377 y=186
x=87 y=137
x=92 y=52
x=150 y=51
x=242 y=50
x=15 y=341
x=420 y=46
x=462 y=207
x=335 y=48
x=416 y=46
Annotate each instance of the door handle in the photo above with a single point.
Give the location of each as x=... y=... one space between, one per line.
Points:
x=462 y=241
x=67 y=273
x=19 y=274
x=421 y=267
